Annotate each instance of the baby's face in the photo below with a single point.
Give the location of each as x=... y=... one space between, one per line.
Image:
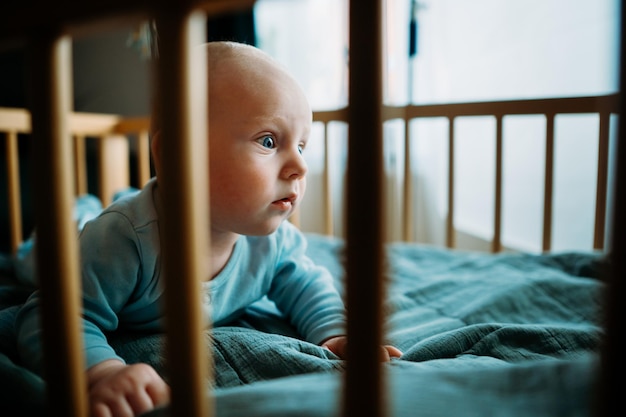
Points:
x=259 y=125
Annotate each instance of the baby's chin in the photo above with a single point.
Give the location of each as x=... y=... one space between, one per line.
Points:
x=264 y=229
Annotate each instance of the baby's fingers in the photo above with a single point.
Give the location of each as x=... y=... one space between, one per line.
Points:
x=387 y=352
x=140 y=402
x=147 y=389
x=128 y=391
x=111 y=407
x=393 y=351
x=159 y=393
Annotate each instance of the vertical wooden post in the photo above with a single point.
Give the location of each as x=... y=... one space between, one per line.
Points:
x=15 y=199
x=183 y=185
x=80 y=157
x=407 y=207
x=601 y=183
x=450 y=232
x=611 y=388
x=329 y=222
x=548 y=184
x=57 y=252
x=143 y=158
x=496 y=243
x=363 y=390
x=113 y=174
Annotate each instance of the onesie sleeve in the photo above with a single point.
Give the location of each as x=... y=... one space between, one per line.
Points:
x=304 y=291
x=109 y=271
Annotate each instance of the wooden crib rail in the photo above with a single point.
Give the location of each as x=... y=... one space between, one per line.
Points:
x=77 y=16
x=604 y=106
x=113 y=135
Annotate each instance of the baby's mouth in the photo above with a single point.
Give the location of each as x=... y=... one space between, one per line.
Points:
x=284 y=200
x=284 y=203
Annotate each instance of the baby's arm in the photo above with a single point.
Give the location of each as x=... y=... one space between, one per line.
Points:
x=119 y=390
x=338 y=346
x=117 y=275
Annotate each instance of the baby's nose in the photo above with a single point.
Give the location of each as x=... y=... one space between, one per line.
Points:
x=296 y=167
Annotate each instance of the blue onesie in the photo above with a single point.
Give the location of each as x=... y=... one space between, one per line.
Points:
x=123 y=288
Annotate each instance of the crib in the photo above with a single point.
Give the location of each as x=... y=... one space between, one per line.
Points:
x=510 y=377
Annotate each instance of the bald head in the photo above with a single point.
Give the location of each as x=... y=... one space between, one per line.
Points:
x=238 y=72
x=226 y=54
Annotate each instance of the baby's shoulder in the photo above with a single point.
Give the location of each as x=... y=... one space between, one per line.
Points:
x=137 y=209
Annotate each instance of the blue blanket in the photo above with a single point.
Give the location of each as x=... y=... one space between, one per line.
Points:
x=482 y=334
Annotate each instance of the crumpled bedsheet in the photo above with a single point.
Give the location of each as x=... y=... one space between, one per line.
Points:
x=506 y=334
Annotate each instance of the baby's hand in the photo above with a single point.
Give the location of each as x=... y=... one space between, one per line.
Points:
x=338 y=344
x=119 y=390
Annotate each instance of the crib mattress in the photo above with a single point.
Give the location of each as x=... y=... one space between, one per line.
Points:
x=482 y=334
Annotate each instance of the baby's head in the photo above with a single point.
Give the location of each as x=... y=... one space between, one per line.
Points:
x=259 y=124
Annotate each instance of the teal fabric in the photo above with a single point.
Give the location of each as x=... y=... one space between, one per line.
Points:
x=508 y=335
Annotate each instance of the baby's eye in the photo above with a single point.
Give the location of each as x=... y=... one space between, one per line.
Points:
x=301 y=148
x=267 y=142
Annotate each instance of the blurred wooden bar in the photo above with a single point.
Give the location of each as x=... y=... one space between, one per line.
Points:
x=329 y=222
x=496 y=242
x=183 y=192
x=113 y=174
x=14 y=187
x=610 y=390
x=363 y=389
x=57 y=252
x=407 y=190
x=450 y=233
x=143 y=158
x=602 y=180
x=548 y=183
x=80 y=163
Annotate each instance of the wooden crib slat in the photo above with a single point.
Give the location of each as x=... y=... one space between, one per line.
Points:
x=15 y=199
x=80 y=157
x=610 y=389
x=56 y=231
x=363 y=385
x=17 y=120
x=601 y=182
x=548 y=183
x=407 y=193
x=496 y=243
x=183 y=185
x=140 y=127
x=326 y=117
x=450 y=233
x=143 y=158
x=329 y=221
x=113 y=166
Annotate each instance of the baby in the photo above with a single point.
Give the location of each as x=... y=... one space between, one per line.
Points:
x=259 y=125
